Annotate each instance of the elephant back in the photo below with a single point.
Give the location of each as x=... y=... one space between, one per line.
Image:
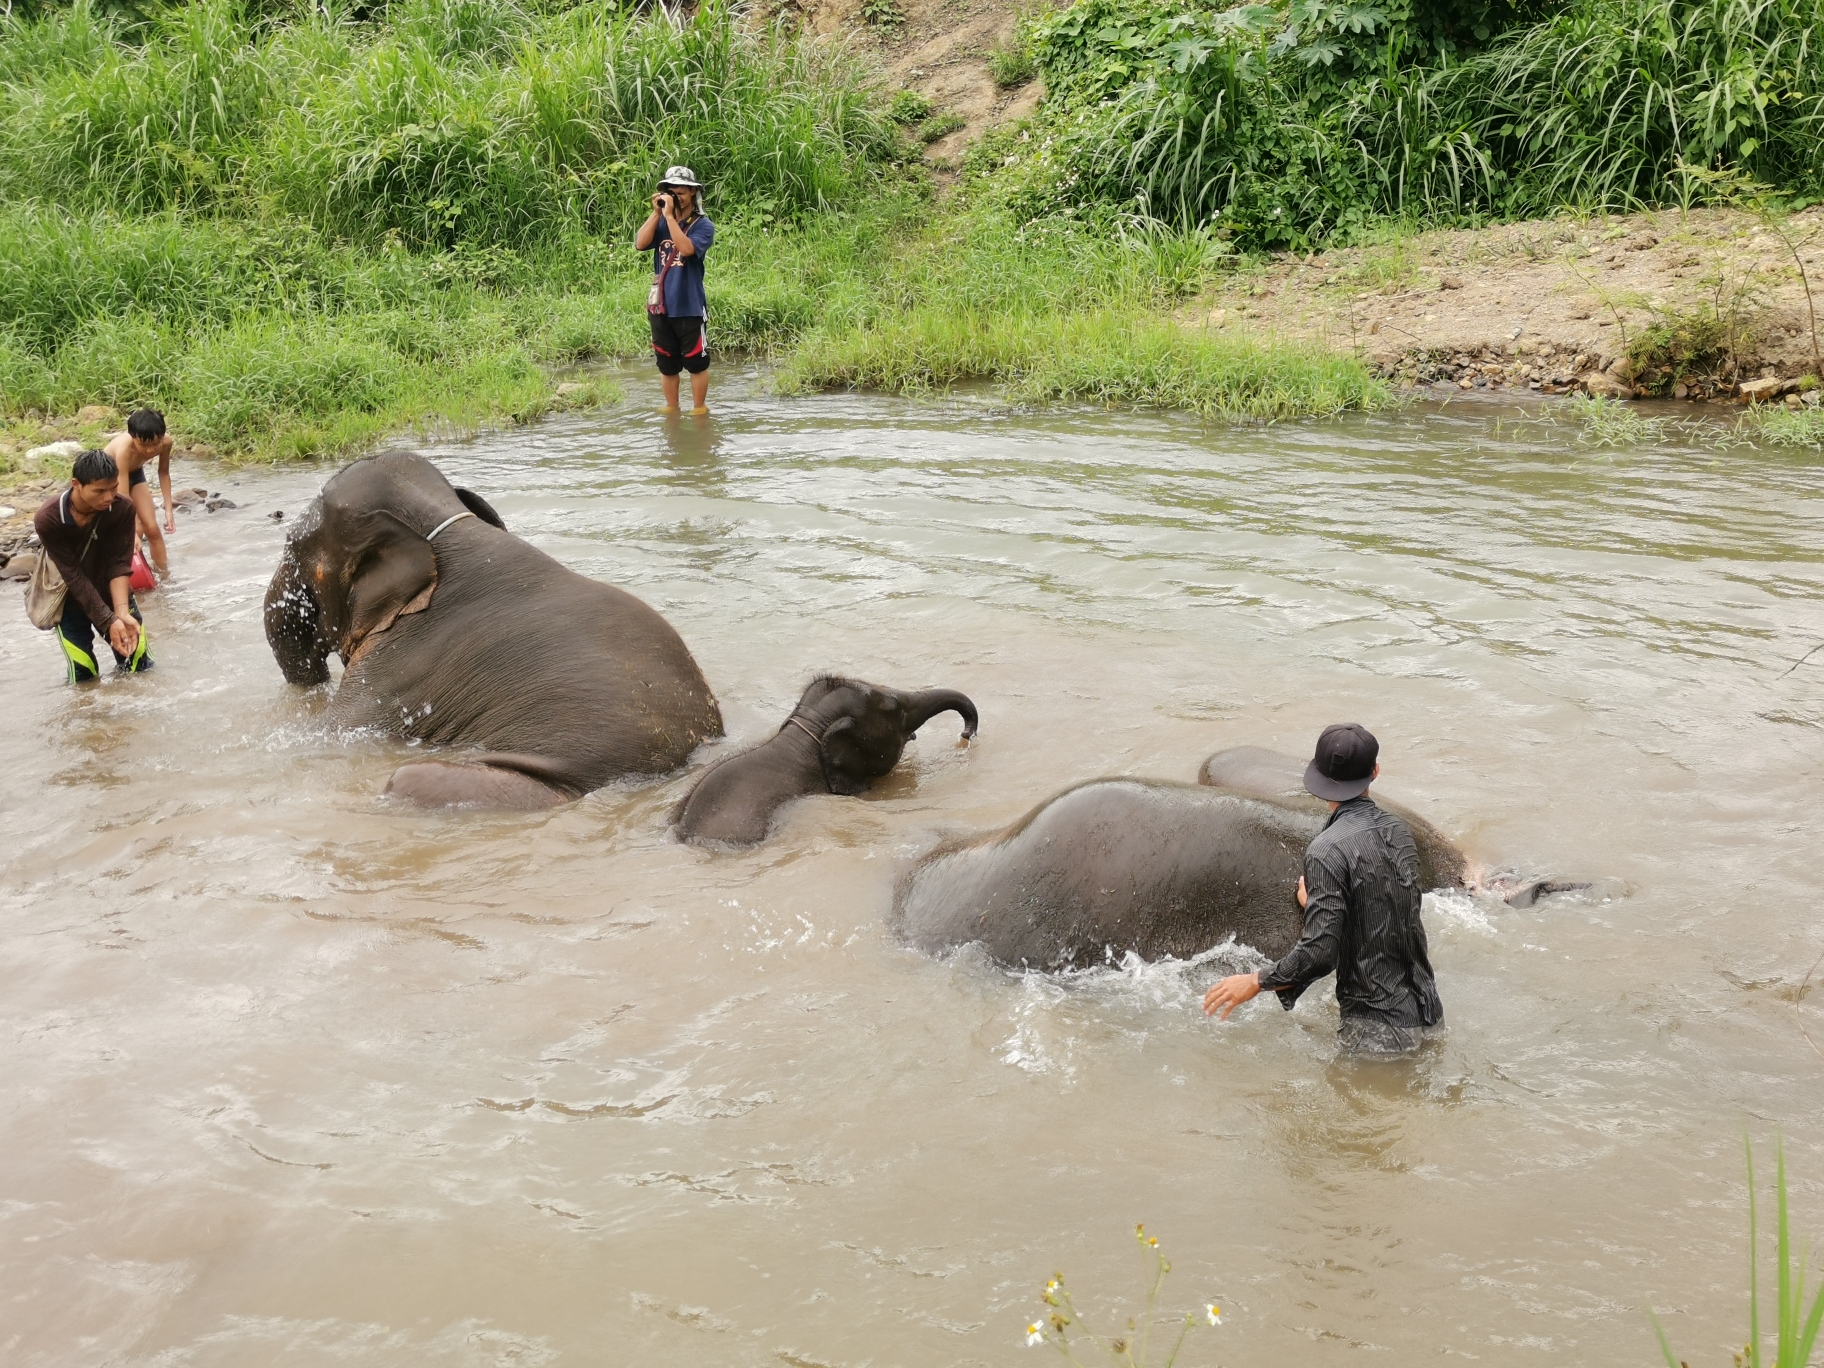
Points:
x=516 y=652
x=1109 y=867
x=1274 y=777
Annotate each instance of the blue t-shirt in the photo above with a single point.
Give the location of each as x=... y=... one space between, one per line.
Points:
x=684 y=281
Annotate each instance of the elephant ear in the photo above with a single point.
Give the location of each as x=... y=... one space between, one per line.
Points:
x=845 y=763
x=480 y=507
x=394 y=577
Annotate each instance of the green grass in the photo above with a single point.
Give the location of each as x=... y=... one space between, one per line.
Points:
x=1111 y=358
x=297 y=233
x=1011 y=64
x=1086 y=317
x=1795 y=1327
x=1777 y=425
x=1288 y=135
x=454 y=120
x=267 y=343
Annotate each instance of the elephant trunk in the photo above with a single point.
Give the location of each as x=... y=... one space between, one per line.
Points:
x=930 y=702
x=292 y=617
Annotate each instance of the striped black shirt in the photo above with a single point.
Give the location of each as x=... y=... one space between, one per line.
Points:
x=1362 y=921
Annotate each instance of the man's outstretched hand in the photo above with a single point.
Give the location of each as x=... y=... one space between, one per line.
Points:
x=123 y=634
x=1229 y=993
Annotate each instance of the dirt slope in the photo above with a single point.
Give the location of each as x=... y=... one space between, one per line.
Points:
x=938 y=48
x=1713 y=299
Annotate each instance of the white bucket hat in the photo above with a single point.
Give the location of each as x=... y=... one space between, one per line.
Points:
x=681 y=176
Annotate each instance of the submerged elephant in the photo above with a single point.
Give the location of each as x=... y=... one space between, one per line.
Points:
x=454 y=631
x=843 y=735
x=1148 y=866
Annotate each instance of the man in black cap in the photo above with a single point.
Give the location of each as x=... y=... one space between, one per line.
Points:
x=1360 y=892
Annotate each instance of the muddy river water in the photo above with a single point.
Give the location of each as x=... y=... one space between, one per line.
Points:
x=293 y=1077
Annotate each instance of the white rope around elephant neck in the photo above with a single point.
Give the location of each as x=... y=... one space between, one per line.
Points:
x=793 y=721
x=454 y=517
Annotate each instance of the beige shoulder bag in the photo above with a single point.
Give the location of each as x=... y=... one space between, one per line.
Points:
x=45 y=591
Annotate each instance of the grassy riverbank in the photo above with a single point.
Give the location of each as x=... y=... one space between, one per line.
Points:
x=298 y=232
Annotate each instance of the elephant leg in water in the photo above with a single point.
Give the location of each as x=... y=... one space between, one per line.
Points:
x=843 y=735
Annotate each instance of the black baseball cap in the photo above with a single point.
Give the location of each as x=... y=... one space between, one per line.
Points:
x=1344 y=764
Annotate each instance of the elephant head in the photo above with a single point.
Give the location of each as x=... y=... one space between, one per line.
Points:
x=361 y=556
x=843 y=735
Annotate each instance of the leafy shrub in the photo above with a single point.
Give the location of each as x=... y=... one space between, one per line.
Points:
x=883 y=14
x=1011 y=64
x=939 y=125
x=1291 y=126
x=908 y=107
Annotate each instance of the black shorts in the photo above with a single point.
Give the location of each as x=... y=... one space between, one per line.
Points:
x=138 y=477
x=678 y=344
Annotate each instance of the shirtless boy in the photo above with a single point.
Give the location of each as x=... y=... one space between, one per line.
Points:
x=145 y=438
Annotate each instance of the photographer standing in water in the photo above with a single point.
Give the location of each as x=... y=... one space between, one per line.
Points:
x=679 y=236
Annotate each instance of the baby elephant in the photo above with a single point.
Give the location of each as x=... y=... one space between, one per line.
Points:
x=843 y=735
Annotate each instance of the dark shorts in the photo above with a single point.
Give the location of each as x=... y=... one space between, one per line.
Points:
x=678 y=344
x=138 y=477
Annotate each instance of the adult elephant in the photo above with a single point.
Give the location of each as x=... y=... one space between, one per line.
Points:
x=1142 y=865
x=453 y=631
x=843 y=735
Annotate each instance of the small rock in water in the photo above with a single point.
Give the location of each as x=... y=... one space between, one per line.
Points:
x=218 y=502
x=277 y=514
x=21 y=566
x=1605 y=386
x=183 y=497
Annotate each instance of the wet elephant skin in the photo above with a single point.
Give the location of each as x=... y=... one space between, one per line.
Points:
x=1111 y=866
x=1273 y=776
x=843 y=735
x=474 y=638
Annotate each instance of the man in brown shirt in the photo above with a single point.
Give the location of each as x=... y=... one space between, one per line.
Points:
x=88 y=532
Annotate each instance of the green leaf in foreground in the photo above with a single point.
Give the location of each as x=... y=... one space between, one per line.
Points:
x=1796 y=1325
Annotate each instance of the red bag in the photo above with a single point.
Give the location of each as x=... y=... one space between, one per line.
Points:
x=142 y=579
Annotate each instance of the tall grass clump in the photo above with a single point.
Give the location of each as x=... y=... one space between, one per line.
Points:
x=1290 y=126
x=1777 y=425
x=1601 y=106
x=1795 y=1325
x=454 y=120
x=1085 y=318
